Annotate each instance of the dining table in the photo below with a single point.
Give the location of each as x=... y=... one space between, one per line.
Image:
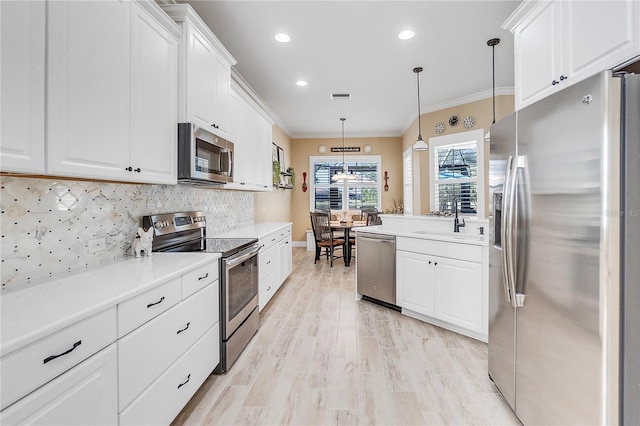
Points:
x=346 y=227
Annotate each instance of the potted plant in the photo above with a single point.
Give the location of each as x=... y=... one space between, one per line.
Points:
x=276 y=173
x=292 y=177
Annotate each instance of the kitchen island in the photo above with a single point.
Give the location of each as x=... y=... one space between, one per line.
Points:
x=441 y=275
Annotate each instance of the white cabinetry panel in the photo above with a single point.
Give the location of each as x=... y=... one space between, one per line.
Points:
x=154 y=95
x=458 y=292
x=22 y=53
x=200 y=83
x=88 y=88
x=84 y=395
x=164 y=399
x=559 y=43
x=415 y=282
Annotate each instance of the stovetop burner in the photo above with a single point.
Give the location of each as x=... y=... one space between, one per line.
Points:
x=186 y=231
x=228 y=246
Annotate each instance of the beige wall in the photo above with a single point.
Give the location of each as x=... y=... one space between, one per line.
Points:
x=482 y=111
x=275 y=206
x=391 y=161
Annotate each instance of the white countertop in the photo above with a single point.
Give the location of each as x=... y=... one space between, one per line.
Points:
x=32 y=311
x=461 y=238
x=257 y=230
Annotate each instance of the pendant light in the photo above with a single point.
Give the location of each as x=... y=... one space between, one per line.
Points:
x=339 y=177
x=420 y=144
x=492 y=43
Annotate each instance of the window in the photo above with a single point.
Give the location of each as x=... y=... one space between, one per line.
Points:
x=407 y=179
x=349 y=195
x=457 y=171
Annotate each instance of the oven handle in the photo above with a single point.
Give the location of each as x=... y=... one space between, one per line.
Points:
x=241 y=257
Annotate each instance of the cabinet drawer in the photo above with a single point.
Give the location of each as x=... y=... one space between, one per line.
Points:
x=468 y=252
x=284 y=233
x=86 y=394
x=140 y=309
x=32 y=366
x=148 y=351
x=266 y=289
x=199 y=278
x=268 y=260
x=269 y=241
x=163 y=400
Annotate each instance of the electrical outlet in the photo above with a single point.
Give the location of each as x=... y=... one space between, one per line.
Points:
x=97 y=244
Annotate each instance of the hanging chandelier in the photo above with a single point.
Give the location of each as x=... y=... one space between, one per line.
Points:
x=420 y=144
x=339 y=177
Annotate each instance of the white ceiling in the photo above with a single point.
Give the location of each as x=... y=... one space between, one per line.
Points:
x=352 y=47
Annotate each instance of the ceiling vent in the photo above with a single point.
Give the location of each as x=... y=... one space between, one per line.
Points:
x=340 y=96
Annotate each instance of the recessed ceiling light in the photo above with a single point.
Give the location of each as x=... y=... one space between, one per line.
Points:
x=301 y=83
x=406 y=34
x=283 y=38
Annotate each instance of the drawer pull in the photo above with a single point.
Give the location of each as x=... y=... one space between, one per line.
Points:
x=184 y=329
x=156 y=303
x=52 y=357
x=204 y=277
x=187 y=381
x=268 y=262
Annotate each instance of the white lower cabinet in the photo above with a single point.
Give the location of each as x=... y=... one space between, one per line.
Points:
x=414 y=280
x=163 y=400
x=275 y=260
x=457 y=297
x=84 y=395
x=149 y=350
x=443 y=283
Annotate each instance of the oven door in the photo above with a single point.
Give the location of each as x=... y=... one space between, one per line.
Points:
x=240 y=296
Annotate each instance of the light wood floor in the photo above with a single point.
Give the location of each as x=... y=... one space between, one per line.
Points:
x=322 y=358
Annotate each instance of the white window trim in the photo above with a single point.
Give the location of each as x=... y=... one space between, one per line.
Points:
x=471 y=135
x=407 y=185
x=350 y=158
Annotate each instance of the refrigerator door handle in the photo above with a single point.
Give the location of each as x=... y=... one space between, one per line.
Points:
x=511 y=251
x=505 y=236
x=520 y=239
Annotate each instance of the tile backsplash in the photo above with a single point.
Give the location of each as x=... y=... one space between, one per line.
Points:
x=46 y=224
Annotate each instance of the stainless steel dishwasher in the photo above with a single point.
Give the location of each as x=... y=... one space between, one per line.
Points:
x=376 y=268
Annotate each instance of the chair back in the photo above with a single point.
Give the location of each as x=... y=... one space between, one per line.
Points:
x=321 y=226
x=372 y=218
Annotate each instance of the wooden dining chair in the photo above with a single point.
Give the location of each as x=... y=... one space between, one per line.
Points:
x=372 y=218
x=324 y=237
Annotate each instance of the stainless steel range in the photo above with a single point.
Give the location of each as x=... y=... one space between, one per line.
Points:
x=239 y=318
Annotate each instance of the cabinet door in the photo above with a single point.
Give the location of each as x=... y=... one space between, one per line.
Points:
x=85 y=395
x=201 y=65
x=243 y=151
x=220 y=99
x=88 y=88
x=538 y=53
x=414 y=282
x=285 y=259
x=458 y=292
x=22 y=101
x=263 y=162
x=154 y=95
x=600 y=35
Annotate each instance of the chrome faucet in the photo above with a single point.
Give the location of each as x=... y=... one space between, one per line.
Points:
x=456 y=221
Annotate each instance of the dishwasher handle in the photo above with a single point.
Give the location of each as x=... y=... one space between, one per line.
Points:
x=378 y=239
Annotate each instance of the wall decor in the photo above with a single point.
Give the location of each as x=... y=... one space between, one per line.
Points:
x=386 y=178
x=469 y=122
x=304 y=181
x=281 y=158
x=439 y=127
x=453 y=120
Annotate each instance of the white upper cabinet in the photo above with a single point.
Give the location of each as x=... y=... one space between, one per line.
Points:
x=22 y=86
x=251 y=136
x=559 y=43
x=88 y=89
x=205 y=74
x=154 y=94
x=111 y=91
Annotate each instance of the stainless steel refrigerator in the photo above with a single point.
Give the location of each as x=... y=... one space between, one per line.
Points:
x=564 y=304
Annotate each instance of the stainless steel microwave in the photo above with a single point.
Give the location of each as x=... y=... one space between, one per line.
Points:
x=203 y=158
